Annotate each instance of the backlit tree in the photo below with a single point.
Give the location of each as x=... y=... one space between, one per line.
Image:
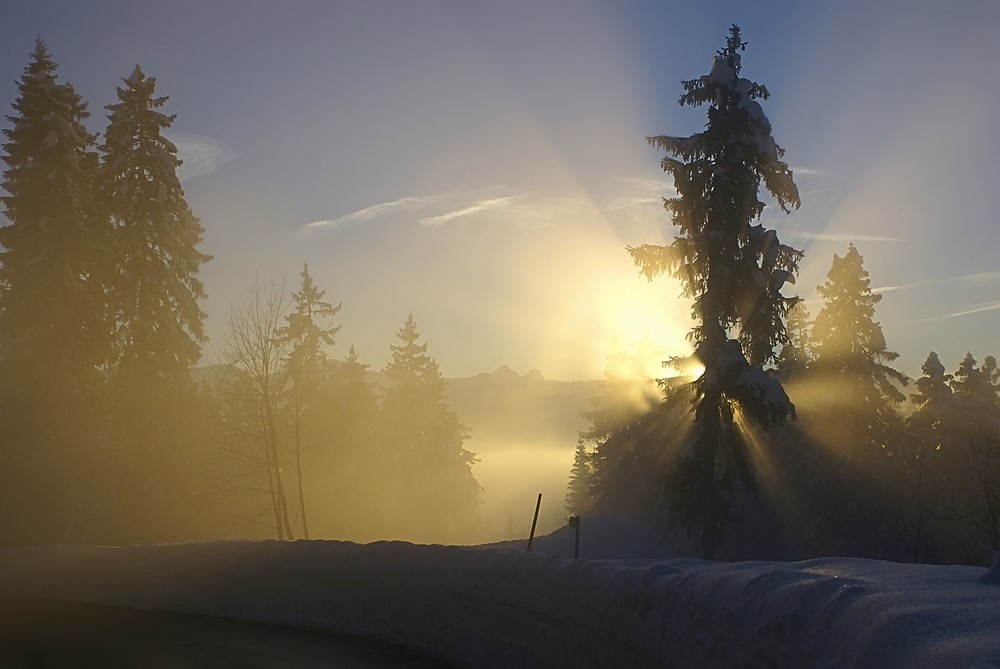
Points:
x=730 y=267
x=154 y=293
x=53 y=328
x=438 y=495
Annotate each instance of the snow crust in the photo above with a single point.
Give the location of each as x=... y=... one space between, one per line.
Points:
x=501 y=606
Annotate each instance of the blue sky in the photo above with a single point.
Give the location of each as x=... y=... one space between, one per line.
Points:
x=483 y=164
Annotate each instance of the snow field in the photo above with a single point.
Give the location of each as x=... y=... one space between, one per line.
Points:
x=505 y=607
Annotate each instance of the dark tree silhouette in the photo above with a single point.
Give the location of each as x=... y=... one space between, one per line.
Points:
x=153 y=297
x=579 y=490
x=931 y=425
x=438 y=493
x=731 y=268
x=859 y=394
x=53 y=330
x=973 y=493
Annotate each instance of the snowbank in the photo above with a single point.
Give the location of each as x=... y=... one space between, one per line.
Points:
x=504 y=607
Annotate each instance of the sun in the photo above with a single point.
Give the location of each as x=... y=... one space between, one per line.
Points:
x=644 y=324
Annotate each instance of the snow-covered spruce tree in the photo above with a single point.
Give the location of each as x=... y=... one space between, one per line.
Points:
x=732 y=269
x=308 y=333
x=438 y=496
x=53 y=327
x=153 y=296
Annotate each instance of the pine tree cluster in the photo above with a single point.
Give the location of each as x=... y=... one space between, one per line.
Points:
x=108 y=436
x=99 y=317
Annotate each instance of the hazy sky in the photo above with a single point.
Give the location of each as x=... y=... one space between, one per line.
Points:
x=483 y=164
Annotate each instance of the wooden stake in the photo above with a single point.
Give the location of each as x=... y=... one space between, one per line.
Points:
x=534 y=521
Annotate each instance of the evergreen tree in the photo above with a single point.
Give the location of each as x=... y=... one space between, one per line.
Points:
x=859 y=393
x=158 y=323
x=433 y=468
x=154 y=295
x=852 y=356
x=731 y=268
x=977 y=389
x=932 y=426
x=354 y=466
x=934 y=395
x=308 y=332
x=973 y=496
x=579 y=488
x=53 y=327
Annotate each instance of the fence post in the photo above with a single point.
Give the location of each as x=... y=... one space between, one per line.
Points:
x=534 y=521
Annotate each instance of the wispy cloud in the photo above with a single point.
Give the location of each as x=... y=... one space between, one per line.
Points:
x=200 y=155
x=978 y=278
x=409 y=203
x=483 y=205
x=977 y=308
x=525 y=210
x=842 y=237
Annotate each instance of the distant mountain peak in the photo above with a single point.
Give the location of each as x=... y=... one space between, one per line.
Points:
x=534 y=375
x=505 y=372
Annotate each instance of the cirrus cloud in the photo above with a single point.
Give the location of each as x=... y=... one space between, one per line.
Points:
x=199 y=155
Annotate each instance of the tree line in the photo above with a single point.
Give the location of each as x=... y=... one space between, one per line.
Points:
x=727 y=457
x=108 y=437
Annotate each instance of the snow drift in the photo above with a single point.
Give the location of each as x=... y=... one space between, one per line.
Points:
x=501 y=606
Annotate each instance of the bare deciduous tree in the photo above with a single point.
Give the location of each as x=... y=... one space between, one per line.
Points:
x=253 y=388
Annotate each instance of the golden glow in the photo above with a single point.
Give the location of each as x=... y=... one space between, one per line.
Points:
x=767 y=472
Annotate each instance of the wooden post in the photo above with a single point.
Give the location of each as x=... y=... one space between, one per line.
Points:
x=534 y=521
x=574 y=522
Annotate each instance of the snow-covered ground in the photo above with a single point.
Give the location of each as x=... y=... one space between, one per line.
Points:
x=625 y=604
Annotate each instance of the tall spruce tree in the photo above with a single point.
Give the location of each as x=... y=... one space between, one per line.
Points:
x=859 y=393
x=53 y=329
x=440 y=494
x=157 y=320
x=852 y=355
x=732 y=269
x=153 y=297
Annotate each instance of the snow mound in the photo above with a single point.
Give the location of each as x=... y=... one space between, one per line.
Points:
x=498 y=607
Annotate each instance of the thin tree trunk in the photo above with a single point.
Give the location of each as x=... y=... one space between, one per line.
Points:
x=710 y=529
x=298 y=460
